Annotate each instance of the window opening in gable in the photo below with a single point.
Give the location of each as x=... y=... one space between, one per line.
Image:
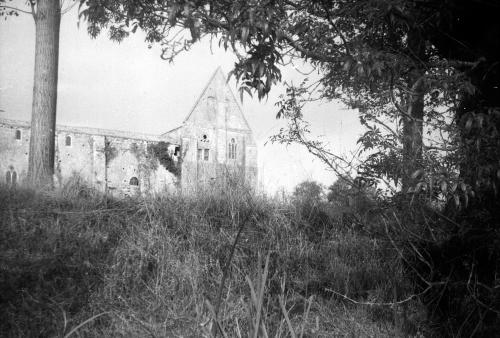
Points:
x=211 y=104
x=68 y=141
x=18 y=134
x=134 y=181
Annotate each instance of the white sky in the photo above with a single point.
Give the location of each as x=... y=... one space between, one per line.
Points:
x=129 y=87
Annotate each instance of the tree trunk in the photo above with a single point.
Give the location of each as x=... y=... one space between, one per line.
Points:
x=43 y=114
x=413 y=121
x=412 y=135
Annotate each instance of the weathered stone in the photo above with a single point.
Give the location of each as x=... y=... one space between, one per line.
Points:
x=214 y=145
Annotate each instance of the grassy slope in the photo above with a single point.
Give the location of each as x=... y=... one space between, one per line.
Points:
x=152 y=267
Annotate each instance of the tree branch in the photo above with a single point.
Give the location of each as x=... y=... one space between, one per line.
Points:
x=15 y=9
x=68 y=8
x=330 y=20
x=308 y=53
x=33 y=9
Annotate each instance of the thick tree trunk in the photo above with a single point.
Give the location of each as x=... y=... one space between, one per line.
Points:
x=412 y=135
x=43 y=114
x=413 y=121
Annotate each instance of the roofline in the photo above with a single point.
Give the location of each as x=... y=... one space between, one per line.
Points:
x=219 y=69
x=89 y=131
x=240 y=109
x=171 y=130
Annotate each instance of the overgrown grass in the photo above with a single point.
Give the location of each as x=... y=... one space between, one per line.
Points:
x=75 y=263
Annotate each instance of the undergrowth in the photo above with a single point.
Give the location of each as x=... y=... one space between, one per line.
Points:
x=75 y=263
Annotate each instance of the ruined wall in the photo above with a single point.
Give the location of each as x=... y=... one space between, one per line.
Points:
x=215 y=140
x=117 y=164
x=14 y=152
x=220 y=165
x=217 y=125
x=74 y=156
x=199 y=158
x=130 y=159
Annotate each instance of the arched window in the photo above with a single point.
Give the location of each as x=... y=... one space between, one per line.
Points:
x=68 y=141
x=134 y=181
x=11 y=178
x=18 y=134
x=232 y=149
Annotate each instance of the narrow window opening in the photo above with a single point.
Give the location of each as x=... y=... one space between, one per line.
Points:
x=200 y=153
x=232 y=149
x=18 y=134
x=68 y=141
x=11 y=177
x=177 y=151
x=206 y=155
x=211 y=104
x=134 y=181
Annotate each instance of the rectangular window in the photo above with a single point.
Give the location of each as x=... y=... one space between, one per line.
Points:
x=206 y=155
x=200 y=152
x=232 y=149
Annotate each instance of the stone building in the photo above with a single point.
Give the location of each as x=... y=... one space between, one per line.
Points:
x=213 y=145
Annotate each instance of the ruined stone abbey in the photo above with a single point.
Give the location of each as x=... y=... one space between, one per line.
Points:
x=213 y=145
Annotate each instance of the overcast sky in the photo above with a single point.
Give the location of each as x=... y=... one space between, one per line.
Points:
x=128 y=87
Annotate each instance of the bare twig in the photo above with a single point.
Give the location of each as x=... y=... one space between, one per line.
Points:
x=76 y=328
x=405 y=300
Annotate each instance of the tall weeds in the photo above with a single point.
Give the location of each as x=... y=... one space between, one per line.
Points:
x=73 y=262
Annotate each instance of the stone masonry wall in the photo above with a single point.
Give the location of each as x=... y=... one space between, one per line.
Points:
x=104 y=162
x=13 y=152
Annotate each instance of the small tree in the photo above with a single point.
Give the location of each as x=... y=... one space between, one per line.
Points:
x=309 y=201
x=308 y=192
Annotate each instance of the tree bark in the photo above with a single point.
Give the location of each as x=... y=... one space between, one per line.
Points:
x=43 y=114
x=412 y=135
x=413 y=121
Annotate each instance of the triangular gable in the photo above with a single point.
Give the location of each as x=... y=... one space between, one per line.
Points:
x=215 y=92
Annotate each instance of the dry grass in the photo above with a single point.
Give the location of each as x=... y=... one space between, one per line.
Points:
x=75 y=264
